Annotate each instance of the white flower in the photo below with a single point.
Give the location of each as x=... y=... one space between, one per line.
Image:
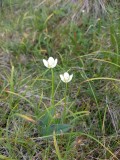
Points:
x=50 y=63
x=83 y=11
x=66 y=77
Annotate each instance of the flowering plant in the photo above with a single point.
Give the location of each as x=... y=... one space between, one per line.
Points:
x=50 y=63
x=66 y=77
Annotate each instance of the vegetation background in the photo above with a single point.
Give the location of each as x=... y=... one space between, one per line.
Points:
x=85 y=37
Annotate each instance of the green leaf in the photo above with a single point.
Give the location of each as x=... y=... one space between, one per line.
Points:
x=58 y=128
x=48 y=117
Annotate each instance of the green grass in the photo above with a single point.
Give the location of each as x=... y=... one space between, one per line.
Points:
x=82 y=122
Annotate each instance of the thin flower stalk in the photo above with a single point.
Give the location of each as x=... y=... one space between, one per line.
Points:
x=52 y=92
x=65 y=103
x=66 y=78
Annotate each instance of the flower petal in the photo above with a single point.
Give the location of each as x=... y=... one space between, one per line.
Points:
x=45 y=63
x=66 y=76
x=55 y=63
x=70 y=78
x=62 y=77
x=51 y=62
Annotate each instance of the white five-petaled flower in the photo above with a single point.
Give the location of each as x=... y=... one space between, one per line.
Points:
x=50 y=63
x=66 y=77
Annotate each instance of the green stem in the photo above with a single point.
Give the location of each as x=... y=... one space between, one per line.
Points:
x=52 y=93
x=65 y=107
